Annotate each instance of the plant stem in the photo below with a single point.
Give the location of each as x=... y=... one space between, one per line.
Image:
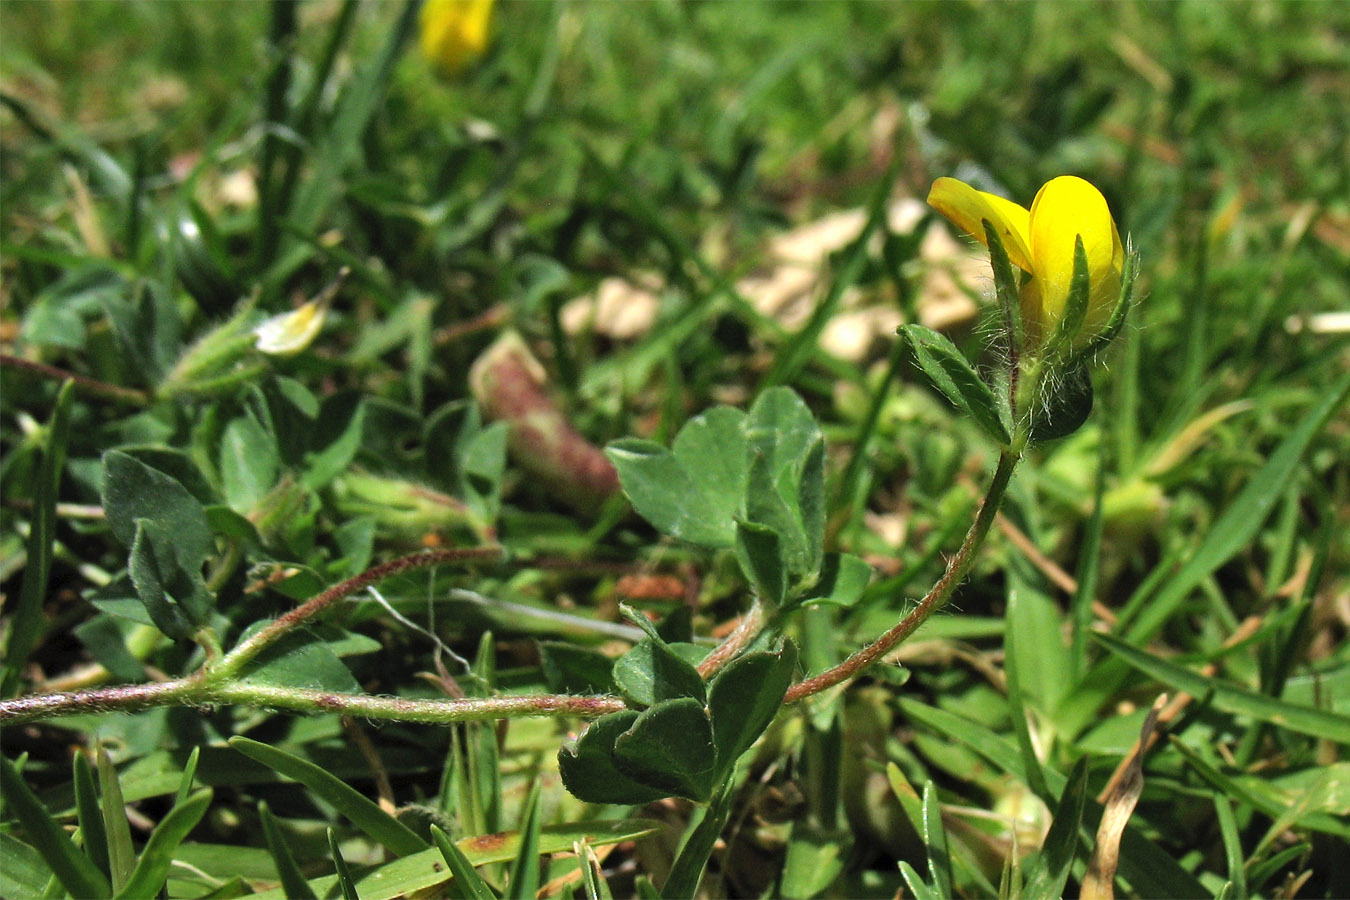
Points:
x=936 y=599
x=247 y=649
x=90 y=385
x=744 y=633
x=193 y=691
x=122 y=698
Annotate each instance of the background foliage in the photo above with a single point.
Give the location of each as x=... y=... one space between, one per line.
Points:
x=162 y=162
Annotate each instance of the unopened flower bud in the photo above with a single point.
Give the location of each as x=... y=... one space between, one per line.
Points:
x=289 y=333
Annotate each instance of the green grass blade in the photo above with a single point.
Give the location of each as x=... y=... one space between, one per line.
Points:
x=1052 y=867
x=344 y=874
x=26 y=622
x=152 y=869
x=1149 y=869
x=1017 y=706
x=1089 y=565
x=359 y=102
x=305 y=114
x=916 y=885
x=24 y=873
x=1263 y=872
x=76 y=146
x=862 y=438
x=461 y=785
x=482 y=752
x=1147 y=611
x=935 y=843
x=288 y=871
x=427 y=869
x=281 y=49
x=1273 y=807
x=687 y=870
x=189 y=774
x=121 y=852
x=364 y=813
x=1232 y=847
x=794 y=355
x=592 y=878
x=524 y=878
x=1231 y=698
x=468 y=883
x=90 y=817
x=76 y=872
x=1239 y=523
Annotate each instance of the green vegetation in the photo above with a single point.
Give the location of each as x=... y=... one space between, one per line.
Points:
x=597 y=416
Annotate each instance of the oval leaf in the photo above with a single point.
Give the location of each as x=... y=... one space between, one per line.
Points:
x=587 y=765
x=670 y=748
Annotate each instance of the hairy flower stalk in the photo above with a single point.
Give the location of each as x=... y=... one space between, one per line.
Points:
x=1067 y=300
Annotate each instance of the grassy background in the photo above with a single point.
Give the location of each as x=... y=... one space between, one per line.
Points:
x=675 y=140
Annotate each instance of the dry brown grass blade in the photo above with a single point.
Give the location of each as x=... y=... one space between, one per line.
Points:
x=1048 y=567
x=588 y=855
x=1099 y=883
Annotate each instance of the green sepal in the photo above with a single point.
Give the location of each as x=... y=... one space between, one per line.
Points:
x=1114 y=324
x=1063 y=404
x=1075 y=306
x=953 y=375
x=1006 y=284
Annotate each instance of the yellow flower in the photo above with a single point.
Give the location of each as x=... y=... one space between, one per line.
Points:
x=1041 y=243
x=454 y=33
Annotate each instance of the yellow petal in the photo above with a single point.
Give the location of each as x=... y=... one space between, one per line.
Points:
x=1066 y=208
x=453 y=33
x=967 y=208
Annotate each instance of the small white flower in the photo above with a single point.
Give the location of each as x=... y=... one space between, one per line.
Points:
x=289 y=333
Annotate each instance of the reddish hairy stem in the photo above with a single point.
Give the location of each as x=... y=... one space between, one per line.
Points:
x=250 y=648
x=122 y=698
x=82 y=382
x=743 y=634
x=936 y=598
x=192 y=692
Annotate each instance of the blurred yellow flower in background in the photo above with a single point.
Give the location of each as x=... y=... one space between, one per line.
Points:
x=454 y=33
x=1040 y=242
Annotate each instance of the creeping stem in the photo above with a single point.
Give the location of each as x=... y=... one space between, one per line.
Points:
x=191 y=691
x=216 y=682
x=936 y=599
x=127 y=395
x=252 y=646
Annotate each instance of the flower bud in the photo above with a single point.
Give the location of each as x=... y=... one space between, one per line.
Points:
x=289 y=333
